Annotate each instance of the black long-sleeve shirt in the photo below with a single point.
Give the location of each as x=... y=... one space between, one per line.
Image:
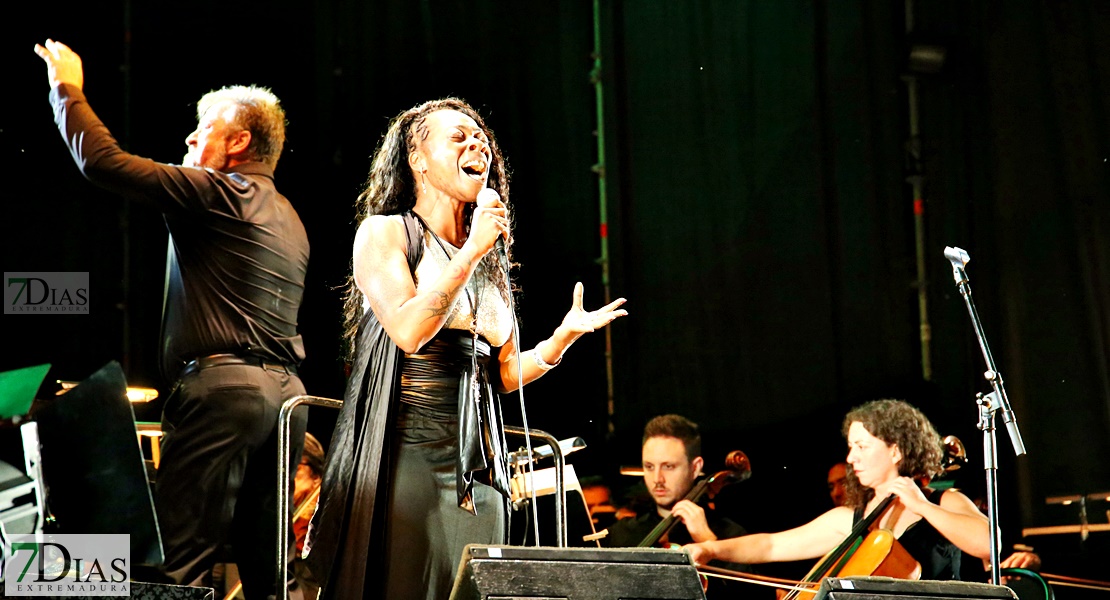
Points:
x=238 y=252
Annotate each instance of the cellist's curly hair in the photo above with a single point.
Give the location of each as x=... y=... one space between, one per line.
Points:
x=896 y=422
x=390 y=189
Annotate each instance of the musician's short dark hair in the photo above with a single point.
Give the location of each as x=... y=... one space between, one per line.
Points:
x=896 y=422
x=675 y=426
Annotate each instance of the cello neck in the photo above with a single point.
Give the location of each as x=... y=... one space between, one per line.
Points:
x=668 y=523
x=836 y=557
x=849 y=544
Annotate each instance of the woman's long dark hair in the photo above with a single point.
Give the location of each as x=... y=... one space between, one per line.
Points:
x=896 y=422
x=390 y=189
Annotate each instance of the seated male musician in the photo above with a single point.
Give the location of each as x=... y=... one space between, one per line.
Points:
x=672 y=461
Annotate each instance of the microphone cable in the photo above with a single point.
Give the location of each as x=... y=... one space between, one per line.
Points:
x=530 y=484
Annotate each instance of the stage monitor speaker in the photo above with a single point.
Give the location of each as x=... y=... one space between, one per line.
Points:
x=885 y=588
x=501 y=572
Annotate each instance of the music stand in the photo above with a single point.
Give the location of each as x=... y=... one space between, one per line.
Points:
x=93 y=464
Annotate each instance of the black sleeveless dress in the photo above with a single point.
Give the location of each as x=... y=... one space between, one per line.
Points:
x=939 y=558
x=417 y=467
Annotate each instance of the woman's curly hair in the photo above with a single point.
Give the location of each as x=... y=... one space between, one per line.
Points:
x=390 y=189
x=896 y=422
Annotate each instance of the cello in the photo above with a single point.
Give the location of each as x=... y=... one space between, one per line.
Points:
x=737 y=469
x=863 y=552
x=875 y=552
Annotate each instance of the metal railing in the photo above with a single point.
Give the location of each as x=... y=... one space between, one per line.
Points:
x=285 y=452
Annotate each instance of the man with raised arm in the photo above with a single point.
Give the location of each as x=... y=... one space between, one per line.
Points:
x=235 y=276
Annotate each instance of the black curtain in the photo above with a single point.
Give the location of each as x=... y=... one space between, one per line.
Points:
x=764 y=212
x=1018 y=149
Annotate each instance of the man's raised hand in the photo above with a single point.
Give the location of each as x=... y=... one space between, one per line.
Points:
x=63 y=65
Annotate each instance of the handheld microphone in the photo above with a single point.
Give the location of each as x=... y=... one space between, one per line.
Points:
x=489 y=194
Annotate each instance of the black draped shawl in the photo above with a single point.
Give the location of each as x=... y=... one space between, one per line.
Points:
x=342 y=524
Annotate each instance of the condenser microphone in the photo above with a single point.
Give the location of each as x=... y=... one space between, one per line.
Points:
x=957 y=255
x=959 y=259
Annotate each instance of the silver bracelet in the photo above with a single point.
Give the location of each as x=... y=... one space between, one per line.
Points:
x=540 y=362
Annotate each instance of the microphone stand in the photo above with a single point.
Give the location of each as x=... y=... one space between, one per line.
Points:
x=988 y=404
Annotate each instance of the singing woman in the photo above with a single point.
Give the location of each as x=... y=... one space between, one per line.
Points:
x=418 y=467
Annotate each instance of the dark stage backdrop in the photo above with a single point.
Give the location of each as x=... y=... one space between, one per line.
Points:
x=761 y=225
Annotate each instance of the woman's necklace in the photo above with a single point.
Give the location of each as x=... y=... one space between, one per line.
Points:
x=471 y=299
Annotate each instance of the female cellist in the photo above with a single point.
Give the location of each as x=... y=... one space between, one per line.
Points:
x=891 y=447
